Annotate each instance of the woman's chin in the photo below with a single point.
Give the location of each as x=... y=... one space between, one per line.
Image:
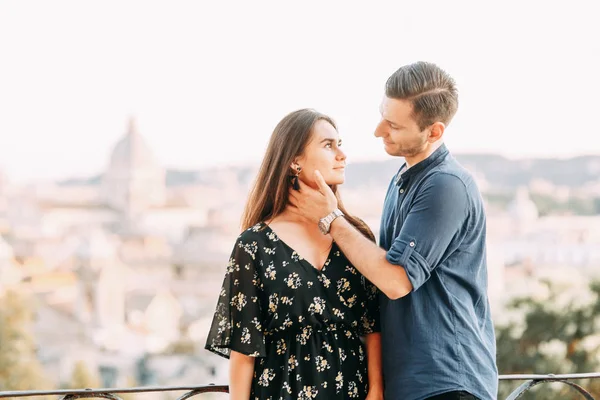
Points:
x=336 y=181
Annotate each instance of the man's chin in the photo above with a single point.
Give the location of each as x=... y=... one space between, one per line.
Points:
x=389 y=149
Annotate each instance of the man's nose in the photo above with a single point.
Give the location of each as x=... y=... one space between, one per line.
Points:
x=379 y=131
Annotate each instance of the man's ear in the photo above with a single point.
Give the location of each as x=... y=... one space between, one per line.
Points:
x=436 y=131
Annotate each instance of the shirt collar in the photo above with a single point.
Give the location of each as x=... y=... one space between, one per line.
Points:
x=435 y=158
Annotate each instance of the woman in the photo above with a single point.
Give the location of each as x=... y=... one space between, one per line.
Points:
x=293 y=310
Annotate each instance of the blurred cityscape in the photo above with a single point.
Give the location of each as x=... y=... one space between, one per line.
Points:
x=123 y=269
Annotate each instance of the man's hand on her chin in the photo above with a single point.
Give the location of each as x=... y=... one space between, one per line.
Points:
x=313 y=204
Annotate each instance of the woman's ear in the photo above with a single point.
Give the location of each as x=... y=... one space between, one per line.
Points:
x=295 y=166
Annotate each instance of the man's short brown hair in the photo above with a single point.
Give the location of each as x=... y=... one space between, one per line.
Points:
x=430 y=89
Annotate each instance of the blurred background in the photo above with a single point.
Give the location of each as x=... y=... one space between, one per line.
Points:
x=131 y=131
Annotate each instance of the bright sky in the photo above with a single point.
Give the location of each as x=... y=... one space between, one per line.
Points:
x=208 y=81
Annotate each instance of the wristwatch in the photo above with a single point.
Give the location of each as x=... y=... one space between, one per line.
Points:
x=325 y=222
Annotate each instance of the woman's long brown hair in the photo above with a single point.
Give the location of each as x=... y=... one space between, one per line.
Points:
x=269 y=196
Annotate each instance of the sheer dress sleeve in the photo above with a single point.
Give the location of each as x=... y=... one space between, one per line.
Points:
x=238 y=320
x=370 y=319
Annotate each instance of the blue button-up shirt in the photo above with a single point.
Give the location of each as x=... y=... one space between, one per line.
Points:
x=440 y=337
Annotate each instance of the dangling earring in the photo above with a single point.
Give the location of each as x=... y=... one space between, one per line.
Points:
x=295 y=178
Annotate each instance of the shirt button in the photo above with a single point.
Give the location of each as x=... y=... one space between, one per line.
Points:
x=401 y=190
x=412 y=244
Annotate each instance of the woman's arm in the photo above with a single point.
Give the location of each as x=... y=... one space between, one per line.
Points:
x=241 y=372
x=373 y=345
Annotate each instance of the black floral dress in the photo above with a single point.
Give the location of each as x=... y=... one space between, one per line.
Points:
x=302 y=324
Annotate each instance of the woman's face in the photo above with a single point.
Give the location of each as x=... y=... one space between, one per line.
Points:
x=323 y=153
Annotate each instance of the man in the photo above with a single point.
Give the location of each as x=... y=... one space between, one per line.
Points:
x=437 y=334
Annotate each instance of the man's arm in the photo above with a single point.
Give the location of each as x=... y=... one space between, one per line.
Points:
x=370 y=260
x=365 y=255
x=428 y=233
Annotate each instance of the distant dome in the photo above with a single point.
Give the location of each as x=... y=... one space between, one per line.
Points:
x=522 y=208
x=96 y=245
x=134 y=180
x=132 y=151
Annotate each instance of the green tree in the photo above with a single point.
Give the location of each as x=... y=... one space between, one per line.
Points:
x=20 y=368
x=556 y=335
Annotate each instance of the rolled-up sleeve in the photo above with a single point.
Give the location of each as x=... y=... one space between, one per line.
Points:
x=437 y=215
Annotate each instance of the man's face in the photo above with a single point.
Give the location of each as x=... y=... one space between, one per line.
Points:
x=398 y=129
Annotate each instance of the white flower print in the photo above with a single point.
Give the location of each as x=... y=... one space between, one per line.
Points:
x=307 y=392
x=324 y=280
x=231 y=266
x=343 y=285
x=267 y=376
x=287 y=387
x=273 y=303
x=245 y=336
x=342 y=354
x=295 y=257
x=352 y=389
x=250 y=248
x=272 y=236
x=317 y=306
x=292 y=363
x=293 y=280
x=257 y=324
x=238 y=301
x=338 y=313
x=339 y=382
x=270 y=272
x=256 y=280
x=281 y=346
x=303 y=336
x=359 y=376
x=321 y=363
x=348 y=302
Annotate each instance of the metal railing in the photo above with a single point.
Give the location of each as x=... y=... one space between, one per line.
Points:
x=534 y=380
x=191 y=391
x=112 y=393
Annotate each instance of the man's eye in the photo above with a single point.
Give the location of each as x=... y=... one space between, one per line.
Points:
x=328 y=145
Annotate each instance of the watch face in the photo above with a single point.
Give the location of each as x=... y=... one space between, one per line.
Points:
x=322 y=227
